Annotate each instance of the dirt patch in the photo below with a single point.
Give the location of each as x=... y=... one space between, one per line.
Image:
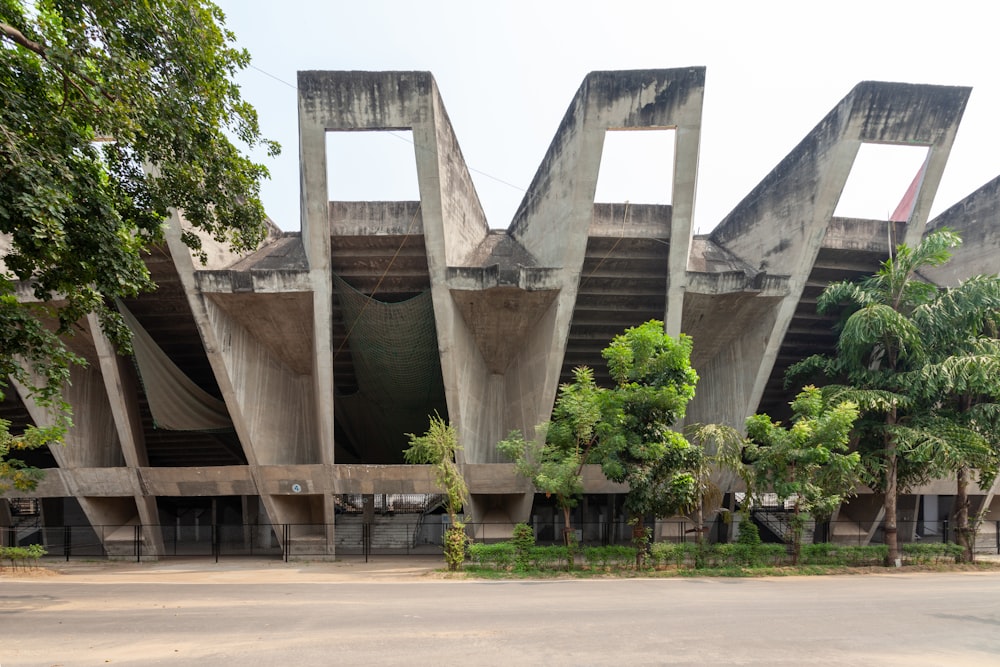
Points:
x=27 y=572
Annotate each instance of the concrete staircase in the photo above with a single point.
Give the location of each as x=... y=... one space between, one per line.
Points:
x=388 y=532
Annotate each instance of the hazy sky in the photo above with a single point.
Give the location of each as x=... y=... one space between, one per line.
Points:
x=507 y=71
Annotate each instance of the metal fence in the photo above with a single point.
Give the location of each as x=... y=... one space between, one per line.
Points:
x=411 y=534
x=987 y=537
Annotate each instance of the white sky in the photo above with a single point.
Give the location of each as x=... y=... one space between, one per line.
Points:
x=507 y=71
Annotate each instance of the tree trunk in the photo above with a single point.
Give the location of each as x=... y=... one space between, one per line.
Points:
x=892 y=559
x=639 y=540
x=567 y=528
x=963 y=535
x=796 y=533
x=699 y=521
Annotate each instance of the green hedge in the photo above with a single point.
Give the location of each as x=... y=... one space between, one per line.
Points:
x=672 y=554
x=504 y=556
x=667 y=554
x=612 y=556
x=875 y=554
x=550 y=558
x=498 y=556
x=843 y=554
x=21 y=555
x=932 y=552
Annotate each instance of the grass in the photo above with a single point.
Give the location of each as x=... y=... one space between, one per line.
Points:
x=473 y=572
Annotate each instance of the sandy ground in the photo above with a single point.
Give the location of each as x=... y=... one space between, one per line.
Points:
x=396 y=569
x=405 y=611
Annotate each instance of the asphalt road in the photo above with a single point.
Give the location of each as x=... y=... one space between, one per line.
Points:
x=892 y=619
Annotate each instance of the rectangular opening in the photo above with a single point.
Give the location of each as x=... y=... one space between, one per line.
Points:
x=637 y=166
x=376 y=165
x=884 y=182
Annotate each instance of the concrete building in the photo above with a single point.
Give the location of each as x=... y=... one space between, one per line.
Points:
x=269 y=388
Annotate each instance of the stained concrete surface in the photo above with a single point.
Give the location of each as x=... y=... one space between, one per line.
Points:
x=399 y=611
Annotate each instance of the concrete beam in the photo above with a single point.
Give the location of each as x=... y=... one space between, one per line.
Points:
x=558 y=214
x=801 y=193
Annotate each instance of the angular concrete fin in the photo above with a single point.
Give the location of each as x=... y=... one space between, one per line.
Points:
x=781 y=225
x=974 y=218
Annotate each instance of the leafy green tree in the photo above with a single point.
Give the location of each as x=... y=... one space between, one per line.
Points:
x=959 y=387
x=654 y=383
x=555 y=465
x=722 y=449
x=111 y=113
x=807 y=463
x=883 y=346
x=437 y=447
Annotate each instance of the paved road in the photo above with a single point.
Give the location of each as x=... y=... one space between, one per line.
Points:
x=927 y=619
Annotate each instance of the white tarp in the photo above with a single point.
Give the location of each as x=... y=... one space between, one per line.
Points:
x=177 y=403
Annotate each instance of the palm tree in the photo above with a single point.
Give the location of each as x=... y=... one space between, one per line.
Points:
x=879 y=347
x=960 y=386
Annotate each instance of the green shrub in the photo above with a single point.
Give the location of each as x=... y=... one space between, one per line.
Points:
x=749 y=533
x=523 y=541
x=872 y=554
x=737 y=555
x=549 y=558
x=21 y=555
x=822 y=553
x=611 y=556
x=455 y=544
x=661 y=554
x=843 y=554
x=932 y=552
x=498 y=556
x=730 y=555
x=770 y=554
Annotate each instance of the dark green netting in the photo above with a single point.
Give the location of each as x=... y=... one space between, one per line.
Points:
x=395 y=353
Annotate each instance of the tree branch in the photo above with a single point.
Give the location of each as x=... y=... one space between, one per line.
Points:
x=16 y=36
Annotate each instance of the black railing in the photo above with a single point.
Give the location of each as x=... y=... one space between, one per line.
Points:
x=402 y=535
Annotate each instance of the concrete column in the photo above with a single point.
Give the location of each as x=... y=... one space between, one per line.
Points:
x=122 y=392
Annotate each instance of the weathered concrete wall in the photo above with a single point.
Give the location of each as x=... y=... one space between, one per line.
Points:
x=273 y=400
x=799 y=196
x=461 y=213
x=557 y=212
x=504 y=302
x=977 y=219
x=725 y=388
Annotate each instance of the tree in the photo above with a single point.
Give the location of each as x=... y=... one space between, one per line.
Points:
x=722 y=449
x=809 y=462
x=111 y=114
x=654 y=383
x=959 y=387
x=555 y=465
x=882 y=348
x=437 y=447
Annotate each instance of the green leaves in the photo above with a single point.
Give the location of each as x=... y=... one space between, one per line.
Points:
x=111 y=114
x=626 y=428
x=438 y=447
x=554 y=465
x=809 y=462
x=923 y=364
x=655 y=382
x=879 y=335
